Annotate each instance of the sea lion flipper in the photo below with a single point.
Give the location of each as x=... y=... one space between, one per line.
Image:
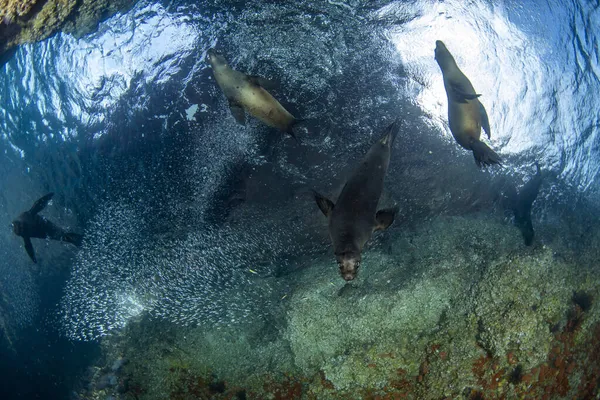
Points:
x=41 y=203
x=384 y=218
x=485 y=122
x=325 y=205
x=461 y=95
x=262 y=82
x=238 y=112
x=484 y=156
x=296 y=123
x=29 y=248
x=74 y=238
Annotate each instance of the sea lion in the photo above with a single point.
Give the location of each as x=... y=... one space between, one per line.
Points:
x=30 y=225
x=521 y=203
x=354 y=218
x=466 y=115
x=246 y=92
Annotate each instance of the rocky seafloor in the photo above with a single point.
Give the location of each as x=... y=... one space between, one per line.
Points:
x=455 y=308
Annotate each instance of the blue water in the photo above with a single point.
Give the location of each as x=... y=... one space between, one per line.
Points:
x=128 y=128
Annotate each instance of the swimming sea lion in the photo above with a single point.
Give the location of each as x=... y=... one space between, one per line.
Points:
x=466 y=115
x=521 y=204
x=30 y=225
x=354 y=218
x=245 y=92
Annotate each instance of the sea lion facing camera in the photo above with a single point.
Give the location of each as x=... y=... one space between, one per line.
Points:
x=30 y=225
x=245 y=92
x=466 y=115
x=354 y=218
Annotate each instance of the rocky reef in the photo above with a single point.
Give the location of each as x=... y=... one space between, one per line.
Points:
x=28 y=21
x=457 y=307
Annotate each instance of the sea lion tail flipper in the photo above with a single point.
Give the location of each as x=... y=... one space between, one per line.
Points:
x=461 y=95
x=74 y=238
x=325 y=205
x=238 y=112
x=484 y=156
x=384 y=218
x=262 y=82
x=41 y=203
x=294 y=127
x=485 y=122
x=29 y=248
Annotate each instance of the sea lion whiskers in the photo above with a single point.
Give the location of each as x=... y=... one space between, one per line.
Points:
x=348 y=263
x=17 y=228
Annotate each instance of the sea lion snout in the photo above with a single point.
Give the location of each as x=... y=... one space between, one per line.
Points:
x=214 y=58
x=17 y=228
x=440 y=49
x=349 y=264
x=390 y=135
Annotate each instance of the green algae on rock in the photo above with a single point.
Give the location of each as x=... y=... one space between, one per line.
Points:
x=90 y=13
x=456 y=308
x=34 y=20
x=519 y=302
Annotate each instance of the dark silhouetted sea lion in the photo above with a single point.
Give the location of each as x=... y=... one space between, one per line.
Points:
x=248 y=93
x=521 y=204
x=30 y=225
x=354 y=218
x=466 y=115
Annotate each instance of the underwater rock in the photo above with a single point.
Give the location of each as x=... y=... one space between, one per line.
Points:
x=123 y=386
x=9 y=10
x=375 y=323
x=90 y=13
x=119 y=362
x=516 y=303
x=386 y=321
x=34 y=20
x=453 y=307
x=105 y=381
